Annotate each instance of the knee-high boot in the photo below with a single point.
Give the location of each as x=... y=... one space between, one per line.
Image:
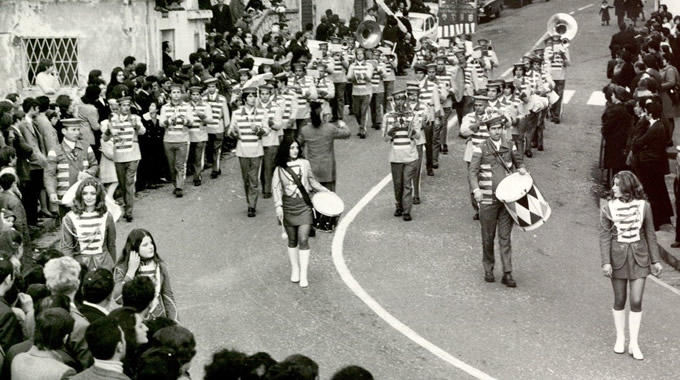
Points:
x=620 y=323
x=634 y=319
x=304 y=263
x=294 y=257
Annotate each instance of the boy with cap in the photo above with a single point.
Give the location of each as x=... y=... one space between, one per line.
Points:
x=474 y=129
x=426 y=116
x=286 y=99
x=485 y=172
x=71 y=161
x=270 y=141
x=360 y=74
x=215 y=127
x=123 y=129
x=451 y=87
x=402 y=129
x=378 y=86
x=198 y=132
x=557 y=56
x=325 y=88
x=248 y=124
x=176 y=116
x=305 y=89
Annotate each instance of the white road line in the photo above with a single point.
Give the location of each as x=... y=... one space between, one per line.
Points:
x=597 y=99
x=355 y=287
x=586 y=7
x=567 y=95
x=665 y=285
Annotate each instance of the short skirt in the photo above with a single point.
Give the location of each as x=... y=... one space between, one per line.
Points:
x=296 y=212
x=631 y=270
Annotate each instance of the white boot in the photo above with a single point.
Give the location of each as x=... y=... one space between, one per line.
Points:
x=304 y=263
x=634 y=319
x=620 y=323
x=294 y=264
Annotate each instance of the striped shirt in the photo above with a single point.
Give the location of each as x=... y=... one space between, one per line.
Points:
x=627 y=218
x=403 y=146
x=179 y=116
x=90 y=230
x=427 y=89
x=220 y=113
x=377 y=78
x=272 y=112
x=304 y=86
x=361 y=86
x=246 y=122
x=124 y=129
x=485 y=176
x=198 y=131
x=288 y=103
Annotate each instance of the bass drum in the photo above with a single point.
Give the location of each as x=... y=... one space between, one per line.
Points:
x=328 y=208
x=524 y=202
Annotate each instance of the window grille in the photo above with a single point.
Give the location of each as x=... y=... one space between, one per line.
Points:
x=62 y=51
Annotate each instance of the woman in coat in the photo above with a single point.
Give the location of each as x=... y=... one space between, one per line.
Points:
x=616 y=125
x=669 y=85
x=291 y=206
x=650 y=161
x=317 y=141
x=629 y=254
x=140 y=258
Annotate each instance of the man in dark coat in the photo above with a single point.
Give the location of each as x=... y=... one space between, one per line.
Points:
x=221 y=20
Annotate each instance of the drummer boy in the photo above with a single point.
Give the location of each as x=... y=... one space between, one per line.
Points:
x=491 y=162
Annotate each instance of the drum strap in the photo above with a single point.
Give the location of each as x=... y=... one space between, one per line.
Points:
x=302 y=189
x=500 y=159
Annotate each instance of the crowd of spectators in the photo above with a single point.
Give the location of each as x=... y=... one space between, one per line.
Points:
x=643 y=106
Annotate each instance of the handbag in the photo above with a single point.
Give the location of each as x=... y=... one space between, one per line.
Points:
x=303 y=191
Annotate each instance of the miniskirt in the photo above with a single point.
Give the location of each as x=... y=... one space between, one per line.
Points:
x=631 y=270
x=296 y=212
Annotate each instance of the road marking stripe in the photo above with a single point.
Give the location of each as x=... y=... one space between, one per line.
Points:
x=337 y=250
x=355 y=287
x=586 y=7
x=567 y=95
x=597 y=99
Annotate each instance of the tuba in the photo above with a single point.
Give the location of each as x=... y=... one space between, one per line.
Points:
x=369 y=34
x=562 y=24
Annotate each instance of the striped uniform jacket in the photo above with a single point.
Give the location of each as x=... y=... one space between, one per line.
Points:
x=64 y=165
x=389 y=74
x=304 y=85
x=377 y=78
x=486 y=171
x=198 y=131
x=481 y=75
x=182 y=115
x=522 y=84
x=403 y=145
x=558 y=65
x=360 y=86
x=471 y=81
x=220 y=113
x=273 y=112
x=243 y=124
x=445 y=81
x=627 y=218
x=288 y=103
x=125 y=129
x=429 y=94
x=349 y=58
x=425 y=115
x=90 y=230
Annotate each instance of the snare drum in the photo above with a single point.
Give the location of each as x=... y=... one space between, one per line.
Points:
x=328 y=207
x=524 y=202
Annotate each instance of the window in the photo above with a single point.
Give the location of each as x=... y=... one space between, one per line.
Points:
x=62 y=51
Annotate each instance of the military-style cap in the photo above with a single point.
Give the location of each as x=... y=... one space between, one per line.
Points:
x=388 y=43
x=336 y=40
x=323 y=45
x=494 y=84
x=266 y=86
x=399 y=93
x=556 y=37
x=243 y=71
x=442 y=58
x=124 y=99
x=495 y=121
x=481 y=99
x=431 y=66
x=187 y=66
x=297 y=65
x=420 y=68
x=71 y=122
x=249 y=90
x=518 y=64
x=198 y=89
x=281 y=75
x=210 y=80
x=412 y=86
x=508 y=82
x=176 y=85
x=539 y=50
x=479 y=41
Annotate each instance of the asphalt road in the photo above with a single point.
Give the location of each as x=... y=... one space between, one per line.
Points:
x=230 y=272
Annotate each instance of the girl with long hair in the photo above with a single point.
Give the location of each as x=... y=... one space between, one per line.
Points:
x=629 y=254
x=291 y=206
x=46 y=77
x=140 y=258
x=88 y=230
x=117 y=78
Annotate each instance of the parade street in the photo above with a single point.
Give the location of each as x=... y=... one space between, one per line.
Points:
x=437 y=317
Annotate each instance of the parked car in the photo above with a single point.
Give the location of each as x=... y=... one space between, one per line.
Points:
x=423 y=24
x=488 y=8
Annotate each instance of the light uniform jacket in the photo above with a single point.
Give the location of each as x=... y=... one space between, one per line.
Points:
x=558 y=63
x=360 y=74
x=429 y=95
x=404 y=131
x=180 y=116
x=624 y=227
x=65 y=165
x=124 y=130
x=40 y=365
x=198 y=130
x=220 y=113
x=244 y=125
x=274 y=113
x=474 y=137
x=486 y=172
x=304 y=88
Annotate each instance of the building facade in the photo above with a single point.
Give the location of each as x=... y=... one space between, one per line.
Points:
x=83 y=35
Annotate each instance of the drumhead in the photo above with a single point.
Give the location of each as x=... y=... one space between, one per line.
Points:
x=328 y=203
x=514 y=187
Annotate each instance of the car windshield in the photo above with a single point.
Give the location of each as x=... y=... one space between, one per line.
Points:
x=417 y=24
